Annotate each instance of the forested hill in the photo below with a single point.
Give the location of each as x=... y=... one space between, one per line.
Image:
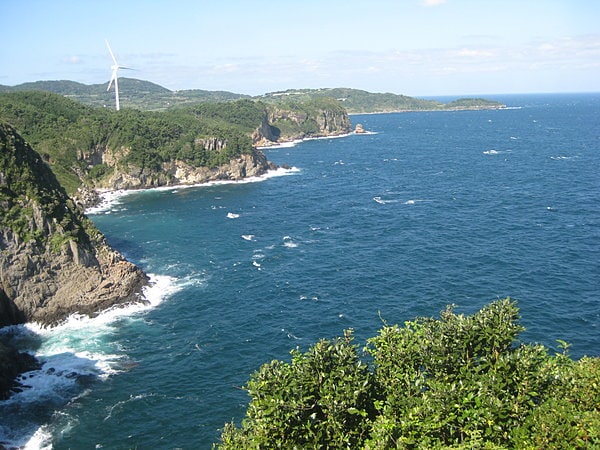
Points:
x=357 y=101
x=104 y=148
x=145 y=95
x=134 y=93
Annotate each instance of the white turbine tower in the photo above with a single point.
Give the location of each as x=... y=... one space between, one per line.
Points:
x=115 y=76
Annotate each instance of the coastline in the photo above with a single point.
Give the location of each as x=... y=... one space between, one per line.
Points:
x=63 y=361
x=110 y=197
x=294 y=142
x=481 y=108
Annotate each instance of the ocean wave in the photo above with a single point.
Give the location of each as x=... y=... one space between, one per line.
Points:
x=295 y=142
x=72 y=355
x=493 y=151
x=287 y=144
x=288 y=242
x=108 y=201
x=382 y=201
x=563 y=158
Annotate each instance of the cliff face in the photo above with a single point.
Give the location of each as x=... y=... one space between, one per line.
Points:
x=303 y=121
x=53 y=260
x=179 y=172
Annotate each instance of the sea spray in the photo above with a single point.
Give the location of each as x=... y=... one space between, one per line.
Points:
x=73 y=355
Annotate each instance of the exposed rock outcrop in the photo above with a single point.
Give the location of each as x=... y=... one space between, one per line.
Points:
x=178 y=172
x=303 y=121
x=53 y=261
x=12 y=363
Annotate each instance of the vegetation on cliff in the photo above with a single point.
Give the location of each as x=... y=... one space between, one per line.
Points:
x=299 y=118
x=89 y=144
x=53 y=260
x=99 y=146
x=34 y=205
x=454 y=382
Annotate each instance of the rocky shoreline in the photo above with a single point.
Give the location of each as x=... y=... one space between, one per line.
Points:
x=70 y=268
x=53 y=260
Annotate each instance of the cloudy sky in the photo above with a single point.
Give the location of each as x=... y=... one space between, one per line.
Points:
x=412 y=47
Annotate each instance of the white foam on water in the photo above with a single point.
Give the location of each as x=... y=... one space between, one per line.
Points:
x=288 y=144
x=382 y=201
x=288 y=242
x=295 y=142
x=41 y=440
x=71 y=355
x=110 y=199
x=415 y=201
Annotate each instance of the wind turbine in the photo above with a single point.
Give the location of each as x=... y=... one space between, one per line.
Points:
x=115 y=68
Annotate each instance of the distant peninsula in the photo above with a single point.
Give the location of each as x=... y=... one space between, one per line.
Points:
x=357 y=101
x=162 y=137
x=148 y=96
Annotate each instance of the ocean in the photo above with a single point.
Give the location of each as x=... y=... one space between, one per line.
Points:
x=425 y=210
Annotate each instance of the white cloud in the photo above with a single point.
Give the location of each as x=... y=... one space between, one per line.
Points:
x=470 y=53
x=74 y=59
x=226 y=68
x=485 y=68
x=432 y=2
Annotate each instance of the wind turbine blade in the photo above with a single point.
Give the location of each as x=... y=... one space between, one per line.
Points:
x=111 y=53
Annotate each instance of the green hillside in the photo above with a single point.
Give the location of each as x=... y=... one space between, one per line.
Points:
x=148 y=96
x=356 y=101
x=67 y=134
x=92 y=145
x=134 y=93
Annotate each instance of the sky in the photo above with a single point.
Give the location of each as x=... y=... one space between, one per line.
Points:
x=410 y=47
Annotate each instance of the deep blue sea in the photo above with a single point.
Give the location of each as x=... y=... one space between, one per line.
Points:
x=427 y=209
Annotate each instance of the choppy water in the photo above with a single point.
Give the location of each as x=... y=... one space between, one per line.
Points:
x=427 y=210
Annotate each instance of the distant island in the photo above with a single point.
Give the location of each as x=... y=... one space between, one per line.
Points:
x=148 y=96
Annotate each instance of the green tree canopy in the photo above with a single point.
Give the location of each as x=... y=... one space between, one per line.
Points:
x=454 y=382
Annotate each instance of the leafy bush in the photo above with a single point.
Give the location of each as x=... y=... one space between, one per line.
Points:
x=454 y=382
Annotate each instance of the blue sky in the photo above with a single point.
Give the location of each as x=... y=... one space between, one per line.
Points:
x=411 y=47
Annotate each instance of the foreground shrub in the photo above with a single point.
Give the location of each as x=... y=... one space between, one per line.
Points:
x=454 y=382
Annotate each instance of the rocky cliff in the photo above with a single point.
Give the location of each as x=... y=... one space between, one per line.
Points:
x=176 y=171
x=53 y=260
x=299 y=120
